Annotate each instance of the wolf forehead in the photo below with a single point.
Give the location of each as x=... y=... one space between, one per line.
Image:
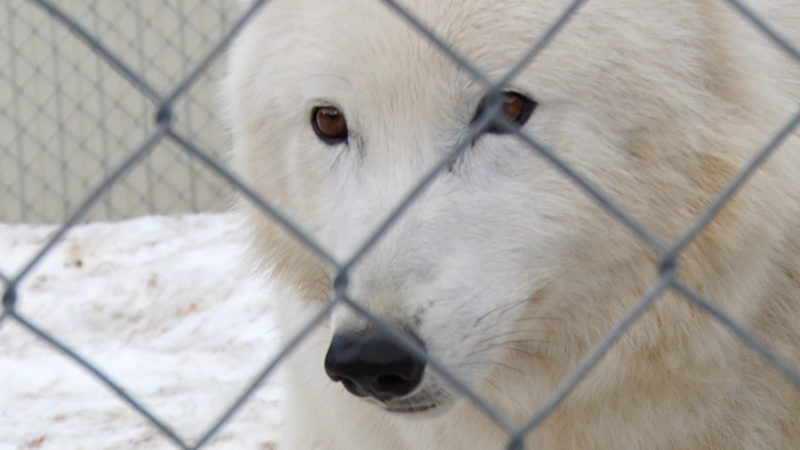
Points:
x=309 y=48
x=360 y=30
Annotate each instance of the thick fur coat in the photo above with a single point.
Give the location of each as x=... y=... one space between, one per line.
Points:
x=504 y=268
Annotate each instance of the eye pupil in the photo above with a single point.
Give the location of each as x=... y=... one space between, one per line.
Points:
x=329 y=124
x=513 y=107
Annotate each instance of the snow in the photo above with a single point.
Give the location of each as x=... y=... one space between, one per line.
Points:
x=165 y=307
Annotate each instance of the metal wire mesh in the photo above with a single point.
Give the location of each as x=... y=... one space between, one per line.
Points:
x=154 y=124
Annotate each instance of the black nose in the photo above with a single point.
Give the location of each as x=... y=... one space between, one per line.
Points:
x=372 y=364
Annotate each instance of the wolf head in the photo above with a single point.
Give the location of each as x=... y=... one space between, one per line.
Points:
x=503 y=268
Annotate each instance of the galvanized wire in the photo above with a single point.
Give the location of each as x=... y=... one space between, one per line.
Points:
x=594 y=356
x=85 y=364
x=287 y=348
x=137 y=81
x=165 y=130
x=741 y=332
x=734 y=185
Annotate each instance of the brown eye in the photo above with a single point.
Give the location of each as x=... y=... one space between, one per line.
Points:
x=516 y=108
x=329 y=124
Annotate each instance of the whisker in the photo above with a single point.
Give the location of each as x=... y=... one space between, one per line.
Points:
x=530 y=353
x=506 y=344
x=539 y=318
x=502 y=308
x=509 y=333
x=492 y=363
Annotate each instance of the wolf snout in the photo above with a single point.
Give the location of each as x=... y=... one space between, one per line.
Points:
x=370 y=364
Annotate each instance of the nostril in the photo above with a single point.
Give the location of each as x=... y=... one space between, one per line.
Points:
x=392 y=382
x=370 y=364
x=352 y=387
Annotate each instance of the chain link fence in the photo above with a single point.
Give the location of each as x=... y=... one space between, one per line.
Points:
x=90 y=134
x=68 y=118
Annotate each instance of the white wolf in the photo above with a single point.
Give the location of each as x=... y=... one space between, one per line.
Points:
x=504 y=270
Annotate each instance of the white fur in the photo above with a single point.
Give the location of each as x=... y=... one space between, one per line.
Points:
x=504 y=267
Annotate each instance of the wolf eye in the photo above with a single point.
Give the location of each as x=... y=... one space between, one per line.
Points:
x=329 y=124
x=516 y=108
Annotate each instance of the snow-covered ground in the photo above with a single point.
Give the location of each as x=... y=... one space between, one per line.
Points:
x=163 y=306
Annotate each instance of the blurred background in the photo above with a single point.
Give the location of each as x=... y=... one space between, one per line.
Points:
x=147 y=290
x=67 y=118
